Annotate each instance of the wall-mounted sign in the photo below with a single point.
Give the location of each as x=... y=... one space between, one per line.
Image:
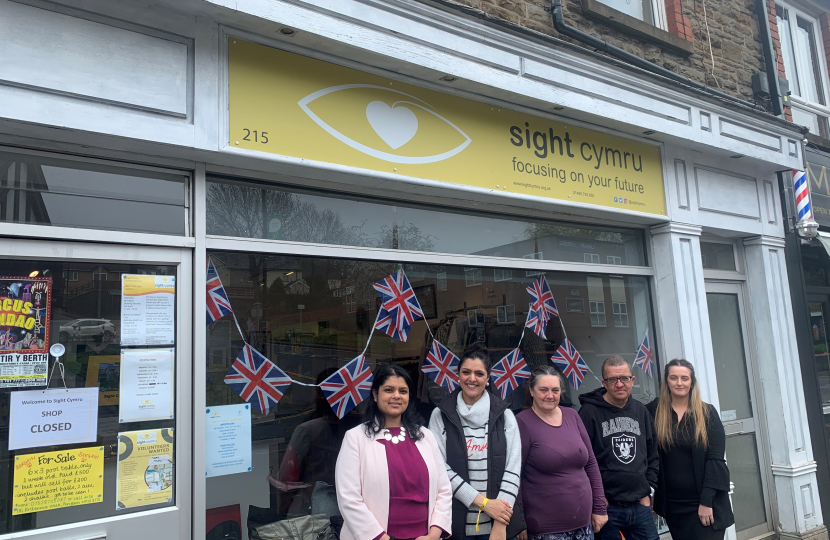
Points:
x=148 y=310
x=819 y=182
x=25 y=310
x=57 y=479
x=146 y=385
x=288 y=104
x=145 y=468
x=53 y=417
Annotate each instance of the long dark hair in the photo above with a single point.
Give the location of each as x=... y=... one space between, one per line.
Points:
x=373 y=419
x=697 y=410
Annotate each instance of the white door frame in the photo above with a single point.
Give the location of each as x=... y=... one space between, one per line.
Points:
x=163 y=523
x=756 y=425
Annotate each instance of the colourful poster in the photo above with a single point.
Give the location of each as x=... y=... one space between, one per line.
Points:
x=49 y=480
x=148 y=310
x=145 y=468
x=25 y=309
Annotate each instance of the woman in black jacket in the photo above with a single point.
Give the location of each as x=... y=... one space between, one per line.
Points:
x=690 y=438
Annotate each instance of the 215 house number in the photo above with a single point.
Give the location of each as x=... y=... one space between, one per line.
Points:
x=258 y=136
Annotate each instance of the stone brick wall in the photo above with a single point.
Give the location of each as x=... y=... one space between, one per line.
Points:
x=733 y=28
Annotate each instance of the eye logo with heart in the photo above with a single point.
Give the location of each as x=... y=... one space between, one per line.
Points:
x=395 y=124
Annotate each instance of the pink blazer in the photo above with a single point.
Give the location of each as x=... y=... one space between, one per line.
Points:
x=362 y=483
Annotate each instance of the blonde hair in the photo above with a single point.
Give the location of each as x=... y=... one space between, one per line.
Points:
x=663 y=418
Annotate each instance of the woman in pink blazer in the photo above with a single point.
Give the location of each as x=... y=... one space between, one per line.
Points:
x=391 y=480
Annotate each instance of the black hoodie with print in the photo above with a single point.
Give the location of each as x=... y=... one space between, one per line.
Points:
x=624 y=444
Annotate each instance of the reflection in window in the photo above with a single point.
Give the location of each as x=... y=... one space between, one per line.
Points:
x=245 y=210
x=295 y=446
x=717 y=256
x=47 y=191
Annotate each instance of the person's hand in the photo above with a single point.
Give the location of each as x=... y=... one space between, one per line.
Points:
x=498 y=510
x=646 y=501
x=433 y=534
x=522 y=535
x=706 y=515
x=499 y=531
x=385 y=537
x=597 y=522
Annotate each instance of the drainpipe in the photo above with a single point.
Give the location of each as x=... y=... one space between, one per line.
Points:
x=769 y=57
x=604 y=46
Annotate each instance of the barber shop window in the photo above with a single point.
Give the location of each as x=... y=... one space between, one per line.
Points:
x=312 y=315
x=804 y=64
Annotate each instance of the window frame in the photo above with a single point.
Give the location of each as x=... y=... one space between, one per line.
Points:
x=798 y=101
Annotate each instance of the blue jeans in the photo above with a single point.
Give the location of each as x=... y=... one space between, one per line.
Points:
x=635 y=521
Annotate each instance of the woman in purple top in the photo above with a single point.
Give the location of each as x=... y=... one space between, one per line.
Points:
x=561 y=489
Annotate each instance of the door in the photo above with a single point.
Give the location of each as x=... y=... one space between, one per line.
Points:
x=738 y=395
x=819 y=306
x=144 y=487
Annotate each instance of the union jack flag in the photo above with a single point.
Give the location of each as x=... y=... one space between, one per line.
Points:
x=644 y=359
x=348 y=386
x=570 y=363
x=509 y=372
x=441 y=365
x=257 y=380
x=218 y=304
x=542 y=308
x=400 y=308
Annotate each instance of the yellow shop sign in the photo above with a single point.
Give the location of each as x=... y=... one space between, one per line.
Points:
x=292 y=105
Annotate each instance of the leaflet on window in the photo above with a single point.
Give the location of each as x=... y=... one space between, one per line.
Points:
x=148 y=311
x=145 y=468
x=49 y=480
x=25 y=309
x=52 y=417
x=146 y=385
x=227 y=439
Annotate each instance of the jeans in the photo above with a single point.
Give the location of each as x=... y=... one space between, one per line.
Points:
x=585 y=533
x=635 y=521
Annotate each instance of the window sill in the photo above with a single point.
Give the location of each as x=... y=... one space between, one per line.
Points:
x=636 y=27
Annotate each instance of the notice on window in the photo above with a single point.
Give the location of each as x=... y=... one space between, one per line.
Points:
x=227 y=439
x=148 y=310
x=50 y=480
x=103 y=373
x=52 y=417
x=146 y=384
x=24 y=331
x=145 y=468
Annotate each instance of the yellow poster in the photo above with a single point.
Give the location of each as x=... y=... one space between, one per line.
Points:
x=291 y=105
x=148 y=310
x=145 y=468
x=49 y=480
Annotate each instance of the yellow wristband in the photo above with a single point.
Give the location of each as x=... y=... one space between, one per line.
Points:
x=480 y=508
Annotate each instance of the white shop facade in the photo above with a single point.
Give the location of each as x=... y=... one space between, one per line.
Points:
x=310 y=149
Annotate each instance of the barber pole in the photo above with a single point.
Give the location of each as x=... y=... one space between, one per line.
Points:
x=802 y=195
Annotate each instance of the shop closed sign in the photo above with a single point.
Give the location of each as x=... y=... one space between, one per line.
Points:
x=53 y=417
x=288 y=104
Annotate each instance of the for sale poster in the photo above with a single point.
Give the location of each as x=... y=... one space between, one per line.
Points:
x=25 y=310
x=145 y=468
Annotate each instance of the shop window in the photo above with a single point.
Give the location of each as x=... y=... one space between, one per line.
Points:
x=294 y=447
x=802 y=51
x=717 y=256
x=590 y=258
x=506 y=314
x=597 y=313
x=43 y=190
x=236 y=209
x=611 y=259
x=620 y=310
x=76 y=475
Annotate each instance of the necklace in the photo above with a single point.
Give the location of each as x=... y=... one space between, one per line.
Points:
x=394 y=438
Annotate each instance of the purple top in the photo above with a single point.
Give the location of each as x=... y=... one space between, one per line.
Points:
x=408 y=488
x=561 y=485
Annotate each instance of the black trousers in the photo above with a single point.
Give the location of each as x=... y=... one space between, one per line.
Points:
x=684 y=523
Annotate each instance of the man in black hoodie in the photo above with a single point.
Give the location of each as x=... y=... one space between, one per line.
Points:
x=624 y=443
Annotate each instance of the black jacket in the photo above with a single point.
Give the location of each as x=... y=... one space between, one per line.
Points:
x=624 y=444
x=496 y=460
x=710 y=471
